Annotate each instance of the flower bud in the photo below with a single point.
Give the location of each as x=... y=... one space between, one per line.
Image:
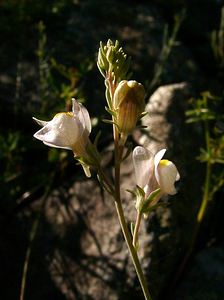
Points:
x=110 y=55
x=129 y=104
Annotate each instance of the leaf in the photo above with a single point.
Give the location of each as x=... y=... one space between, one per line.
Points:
x=111 y=112
x=131 y=192
x=95 y=143
x=146 y=205
x=143 y=114
x=103 y=185
x=128 y=152
x=111 y=122
x=140 y=192
x=132 y=227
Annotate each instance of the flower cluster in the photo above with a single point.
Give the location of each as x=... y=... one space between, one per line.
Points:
x=155 y=176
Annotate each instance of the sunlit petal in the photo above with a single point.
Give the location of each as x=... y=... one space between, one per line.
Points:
x=61 y=132
x=159 y=155
x=120 y=93
x=69 y=130
x=142 y=160
x=166 y=176
x=40 y=122
x=82 y=115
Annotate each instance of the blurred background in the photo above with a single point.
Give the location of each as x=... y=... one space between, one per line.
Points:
x=59 y=234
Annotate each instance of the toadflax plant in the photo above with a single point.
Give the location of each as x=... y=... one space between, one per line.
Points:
x=125 y=98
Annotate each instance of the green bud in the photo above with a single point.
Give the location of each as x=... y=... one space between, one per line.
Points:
x=110 y=55
x=129 y=104
x=111 y=58
x=109 y=43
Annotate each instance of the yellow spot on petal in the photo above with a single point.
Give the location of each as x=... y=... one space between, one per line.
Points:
x=164 y=162
x=69 y=114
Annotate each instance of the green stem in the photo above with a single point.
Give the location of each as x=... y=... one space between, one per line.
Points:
x=205 y=199
x=120 y=213
x=132 y=250
x=27 y=257
x=31 y=240
x=118 y=150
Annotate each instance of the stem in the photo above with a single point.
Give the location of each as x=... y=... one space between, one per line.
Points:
x=137 y=225
x=132 y=250
x=205 y=199
x=31 y=239
x=27 y=257
x=118 y=150
x=120 y=213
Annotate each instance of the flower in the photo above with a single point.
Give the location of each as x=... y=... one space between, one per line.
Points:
x=67 y=130
x=153 y=172
x=129 y=104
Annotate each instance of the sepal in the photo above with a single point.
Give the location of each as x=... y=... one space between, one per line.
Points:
x=139 y=194
x=140 y=198
x=85 y=166
x=91 y=159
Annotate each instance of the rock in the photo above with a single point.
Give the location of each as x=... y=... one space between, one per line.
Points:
x=93 y=262
x=159 y=126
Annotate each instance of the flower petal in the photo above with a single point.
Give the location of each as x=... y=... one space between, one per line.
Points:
x=82 y=114
x=62 y=131
x=167 y=174
x=159 y=155
x=40 y=122
x=142 y=160
x=119 y=93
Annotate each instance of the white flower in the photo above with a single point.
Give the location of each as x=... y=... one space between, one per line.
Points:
x=67 y=130
x=153 y=172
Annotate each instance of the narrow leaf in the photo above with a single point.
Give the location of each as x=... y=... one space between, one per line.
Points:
x=132 y=226
x=145 y=206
